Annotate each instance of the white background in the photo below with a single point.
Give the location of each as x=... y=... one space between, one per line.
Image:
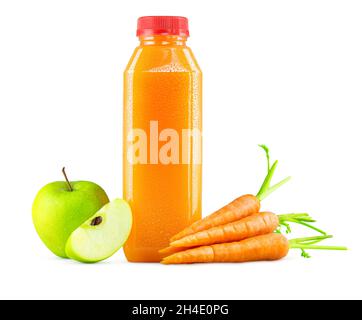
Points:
x=285 y=73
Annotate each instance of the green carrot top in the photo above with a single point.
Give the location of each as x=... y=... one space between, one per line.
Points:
x=266 y=189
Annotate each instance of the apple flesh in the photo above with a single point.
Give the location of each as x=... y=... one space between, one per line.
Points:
x=102 y=235
x=58 y=211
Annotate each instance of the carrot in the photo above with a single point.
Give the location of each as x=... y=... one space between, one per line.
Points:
x=239 y=208
x=254 y=225
x=267 y=247
x=171 y=250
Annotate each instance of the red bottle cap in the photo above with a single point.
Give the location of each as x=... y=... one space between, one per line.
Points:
x=162 y=25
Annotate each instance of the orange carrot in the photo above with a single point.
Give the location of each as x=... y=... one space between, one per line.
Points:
x=265 y=247
x=272 y=246
x=254 y=225
x=251 y=226
x=171 y=250
x=240 y=208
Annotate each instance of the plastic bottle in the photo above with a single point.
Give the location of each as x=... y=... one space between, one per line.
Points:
x=162 y=136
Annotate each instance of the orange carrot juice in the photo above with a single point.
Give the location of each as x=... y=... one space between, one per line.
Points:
x=162 y=136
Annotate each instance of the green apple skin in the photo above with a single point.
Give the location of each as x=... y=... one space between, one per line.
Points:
x=57 y=211
x=90 y=244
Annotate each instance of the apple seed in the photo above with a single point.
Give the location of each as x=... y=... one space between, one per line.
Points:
x=96 y=221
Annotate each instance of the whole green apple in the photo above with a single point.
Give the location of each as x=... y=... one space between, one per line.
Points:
x=61 y=207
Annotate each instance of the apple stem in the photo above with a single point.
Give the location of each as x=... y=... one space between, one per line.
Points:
x=66 y=179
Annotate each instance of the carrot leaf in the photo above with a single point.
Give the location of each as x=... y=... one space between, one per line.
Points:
x=286 y=226
x=305 y=254
x=310 y=244
x=266 y=189
x=266 y=149
x=298 y=218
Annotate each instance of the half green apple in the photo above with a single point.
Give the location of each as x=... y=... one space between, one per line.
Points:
x=102 y=235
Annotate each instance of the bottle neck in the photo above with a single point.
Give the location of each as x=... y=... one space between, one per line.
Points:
x=163 y=40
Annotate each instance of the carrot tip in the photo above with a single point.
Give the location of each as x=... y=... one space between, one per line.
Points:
x=176 y=244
